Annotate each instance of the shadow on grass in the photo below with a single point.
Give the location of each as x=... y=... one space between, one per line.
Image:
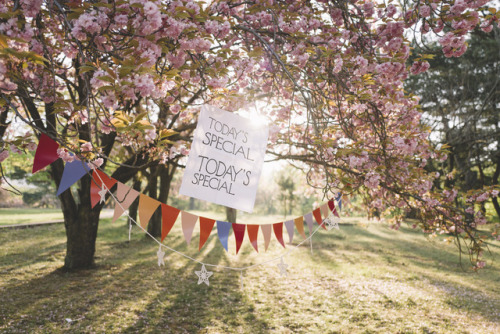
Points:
x=127 y=292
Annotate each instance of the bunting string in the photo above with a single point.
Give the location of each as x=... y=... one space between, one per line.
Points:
x=286 y=252
x=124 y=196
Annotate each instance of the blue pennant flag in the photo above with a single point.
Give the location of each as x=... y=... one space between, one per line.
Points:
x=73 y=171
x=223 y=229
x=339 y=200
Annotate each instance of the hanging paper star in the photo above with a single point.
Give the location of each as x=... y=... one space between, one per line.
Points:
x=331 y=222
x=160 y=254
x=203 y=275
x=282 y=267
x=103 y=193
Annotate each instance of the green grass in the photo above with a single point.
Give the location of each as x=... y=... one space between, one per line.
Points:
x=365 y=278
x=27 y=215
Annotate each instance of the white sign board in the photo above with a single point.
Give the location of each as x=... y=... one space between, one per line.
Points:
x=225 y=160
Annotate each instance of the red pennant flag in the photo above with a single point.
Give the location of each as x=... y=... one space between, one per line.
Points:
x=46 y=153
x=206 y=226
x=98 y=179
x=317 y=216
x=278 y=232
x=239 y=234
x=169 y=215
x=331 y=205
x=253 y=232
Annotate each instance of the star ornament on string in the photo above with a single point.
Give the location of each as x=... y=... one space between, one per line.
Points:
x=331 y=222
x=203 y=275
x=103 y=193
x=161 y=255
x=282 y=267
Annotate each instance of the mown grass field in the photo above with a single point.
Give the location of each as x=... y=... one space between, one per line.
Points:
x=364 y=278
x=10 y=216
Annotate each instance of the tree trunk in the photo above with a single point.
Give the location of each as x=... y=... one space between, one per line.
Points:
x=496 y=174
x=81 y=232
x=132 y=210
x=231 y=215
x=154 y=225
x=80 y=221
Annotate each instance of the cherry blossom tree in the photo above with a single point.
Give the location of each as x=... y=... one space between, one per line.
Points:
x=118 y=83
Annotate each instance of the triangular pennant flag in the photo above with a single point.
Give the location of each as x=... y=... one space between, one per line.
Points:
x=325 y=212
x=124 y=198
x=147 y=206
x=98 y=179
x=206 y=226
x=239 y=234
x=253 y=232
x=73 y=171
x=317 y=216
x=266 y=232
x=223 y=229
x=278 y=232
x=289 y=229
x=299 y=224
x=309 y=220
x=169 y=215
x=339 y=200
x=331 y=205
x=188 y=223
x=46 y=153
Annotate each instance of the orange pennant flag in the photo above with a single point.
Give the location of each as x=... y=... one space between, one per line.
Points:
x=278 y=232
x=169 y=215
x=317 y=216
x=299 y=224
x=266 y=232
x=124 y=197
x=147 y=206
x=206 y=226
x=188 y=222
x=253 y=232
x=96 y=184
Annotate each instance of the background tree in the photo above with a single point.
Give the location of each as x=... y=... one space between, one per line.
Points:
x=460 y=98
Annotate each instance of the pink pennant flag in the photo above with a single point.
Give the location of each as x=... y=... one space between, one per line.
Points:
x=309 y=220
x=266 y=232
x=325 y=211
x=147 y=207
x=289 y=228
x=124 y=198
x=46 y=153
x=188 y=222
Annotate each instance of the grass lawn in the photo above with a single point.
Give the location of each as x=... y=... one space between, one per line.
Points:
x=365 y=278
x=26 y=215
